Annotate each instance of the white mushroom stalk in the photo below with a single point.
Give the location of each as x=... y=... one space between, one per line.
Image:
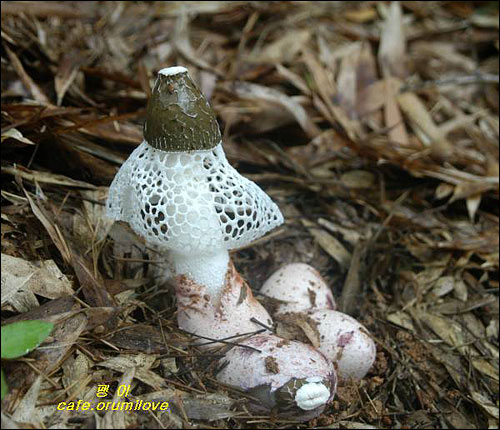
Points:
x=178 y=191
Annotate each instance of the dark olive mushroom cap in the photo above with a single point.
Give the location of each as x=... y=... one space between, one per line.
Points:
x=179 y=118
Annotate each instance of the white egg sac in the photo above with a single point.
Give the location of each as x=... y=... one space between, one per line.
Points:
x=291 y=378
x=346 y=342
x=301 y=287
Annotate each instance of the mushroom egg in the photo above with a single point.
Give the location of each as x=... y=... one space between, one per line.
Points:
x=301 y=287
x=346 y=342
x=292 y=378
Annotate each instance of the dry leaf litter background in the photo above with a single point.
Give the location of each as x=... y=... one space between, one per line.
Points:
x=374 y=125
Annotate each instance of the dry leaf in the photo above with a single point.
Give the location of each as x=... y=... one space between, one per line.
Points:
x=32 y=87
x=485 y=403
x=45 y=177
x=22 y=279
x=329 y=243
x=358 y=179
x=392 y=49
x=142 y=364
x=14 y=133
x=68 y=68
x=254 y=91
x=25 y=411
x=210 y=406
x=473 y=203
x=361 y=15
x=401 y=319
x=416 y=111
x=284 y=49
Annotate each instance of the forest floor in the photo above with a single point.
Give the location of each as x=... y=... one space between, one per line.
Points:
x=373 y=125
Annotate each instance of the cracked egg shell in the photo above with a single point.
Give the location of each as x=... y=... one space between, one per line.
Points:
x=346 y=342
x=301 y=287
x=291 y=378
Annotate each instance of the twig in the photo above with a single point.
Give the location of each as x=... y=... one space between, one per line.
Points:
x=233 y=337
x=255 y=321
x=224 y=341
x=480 y=78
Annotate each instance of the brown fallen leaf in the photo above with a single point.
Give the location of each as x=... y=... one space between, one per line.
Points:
x=14 y=133
x=140 y=338
x=358 y=179
x=416 y=111
x=45 y=278
x=45 y=177
x=327 y=92
x=392 y=115
x=329 y=243
x=50 y=355
x=91 y=281
x=362 y=14
x=67 y=71
x=255 y=91
x=50 y=311
x=351 y=290
x=347 y=80
x=392 y=50
x=485 y=403
x=117 y=419
x=210 y=406
x=298 y=326
x=141 y=363
x=25 y=409
x=367 y=107
x=76 y=372
x=47 y=9
x=32 y=87
x=284 y=49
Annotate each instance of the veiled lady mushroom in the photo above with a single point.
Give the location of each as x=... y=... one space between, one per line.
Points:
x=178 y=191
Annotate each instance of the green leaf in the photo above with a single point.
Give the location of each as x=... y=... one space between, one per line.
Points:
x=4 y=385
x=21 y=337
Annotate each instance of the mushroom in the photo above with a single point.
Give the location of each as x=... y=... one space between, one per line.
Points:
x=299 y=287
x=289 y=377
x=305 y=296
x=178 y=191
x=234 y=314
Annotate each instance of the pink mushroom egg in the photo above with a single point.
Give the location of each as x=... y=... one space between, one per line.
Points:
x=301 y=287
x=346 y=342
x=289 y=377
